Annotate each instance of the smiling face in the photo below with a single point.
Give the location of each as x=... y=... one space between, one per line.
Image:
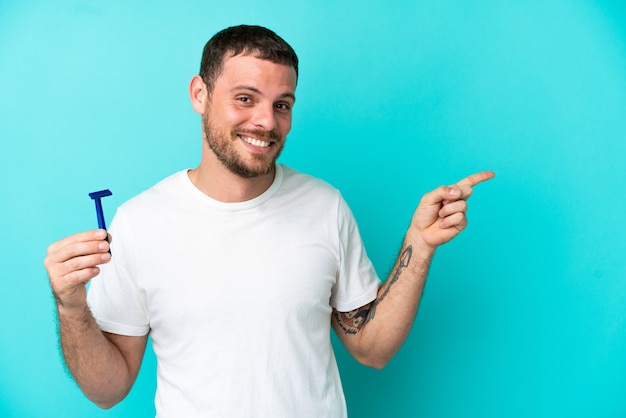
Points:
x=248 y=114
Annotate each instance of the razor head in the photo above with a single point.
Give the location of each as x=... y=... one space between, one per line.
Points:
x=99 y=194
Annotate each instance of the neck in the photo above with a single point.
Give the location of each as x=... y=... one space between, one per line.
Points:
x=212 y=178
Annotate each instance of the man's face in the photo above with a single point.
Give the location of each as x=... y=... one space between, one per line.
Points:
x=248 y=115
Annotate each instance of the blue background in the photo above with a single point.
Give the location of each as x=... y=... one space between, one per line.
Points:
x=523 y=314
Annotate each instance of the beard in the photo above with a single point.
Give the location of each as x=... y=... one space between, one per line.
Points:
x=224 y=147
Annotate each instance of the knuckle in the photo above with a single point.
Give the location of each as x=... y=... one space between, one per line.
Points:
x=72 y=251
x=75 y=277
x=456 y=218
x=58 y=284
x=74 y=264
x=80 y=277
x=82 y=262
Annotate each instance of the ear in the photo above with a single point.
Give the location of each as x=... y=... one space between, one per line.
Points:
x=198 y=94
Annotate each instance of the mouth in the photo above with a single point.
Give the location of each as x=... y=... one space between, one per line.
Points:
x=255 y=141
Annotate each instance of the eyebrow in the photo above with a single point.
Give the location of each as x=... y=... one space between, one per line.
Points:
x=257 y=91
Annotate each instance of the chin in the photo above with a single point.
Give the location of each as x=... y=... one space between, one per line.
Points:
x=251 y=171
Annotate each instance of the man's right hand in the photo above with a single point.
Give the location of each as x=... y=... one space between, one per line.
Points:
x=104 y=365
x=72 y=262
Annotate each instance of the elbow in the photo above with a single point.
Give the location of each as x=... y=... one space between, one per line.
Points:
x=375 y=356
x=106 y=402
x=105 y=405
x=377 y=362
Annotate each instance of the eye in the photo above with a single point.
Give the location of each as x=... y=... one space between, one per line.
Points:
x=283 y=106
x=244 y=99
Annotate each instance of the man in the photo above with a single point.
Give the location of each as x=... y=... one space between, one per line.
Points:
x=238 y=268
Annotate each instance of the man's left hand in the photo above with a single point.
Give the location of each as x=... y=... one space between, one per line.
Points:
x=441 y=214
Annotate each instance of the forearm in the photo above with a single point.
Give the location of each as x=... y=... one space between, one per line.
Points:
x=392 y=314
x=94 y=361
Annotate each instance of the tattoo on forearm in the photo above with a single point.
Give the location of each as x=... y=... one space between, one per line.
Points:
x=403 y=263
x=352 y=322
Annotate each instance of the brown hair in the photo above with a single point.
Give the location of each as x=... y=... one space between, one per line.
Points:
x=255 y=40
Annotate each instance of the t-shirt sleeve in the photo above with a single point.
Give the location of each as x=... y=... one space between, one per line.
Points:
x=117 y=303
x=357 y=282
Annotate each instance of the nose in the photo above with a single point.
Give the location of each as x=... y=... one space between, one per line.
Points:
x=264 y=117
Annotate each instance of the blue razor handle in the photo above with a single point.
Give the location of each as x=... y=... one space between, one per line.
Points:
x=96 y=196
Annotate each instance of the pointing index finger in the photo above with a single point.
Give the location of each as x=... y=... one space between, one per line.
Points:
x=474 y=179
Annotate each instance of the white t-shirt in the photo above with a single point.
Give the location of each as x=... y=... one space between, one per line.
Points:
x=237 y=297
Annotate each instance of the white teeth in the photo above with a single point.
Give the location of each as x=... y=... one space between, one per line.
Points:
x=256 y=142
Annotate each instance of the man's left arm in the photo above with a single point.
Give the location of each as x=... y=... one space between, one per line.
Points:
x=373 y=333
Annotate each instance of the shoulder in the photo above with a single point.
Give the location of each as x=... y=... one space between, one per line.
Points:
x=311 y=196
x=170 y=189
x=296 y=181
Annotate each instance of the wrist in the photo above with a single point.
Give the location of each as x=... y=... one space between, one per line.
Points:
x=420 y=247
x=66 y=311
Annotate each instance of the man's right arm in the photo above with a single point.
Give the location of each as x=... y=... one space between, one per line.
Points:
x=104 y=365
